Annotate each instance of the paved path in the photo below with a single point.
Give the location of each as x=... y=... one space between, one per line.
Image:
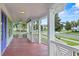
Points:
x=68 y=35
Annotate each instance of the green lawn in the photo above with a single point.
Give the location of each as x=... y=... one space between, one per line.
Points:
x=68 y=38
x=67 y=42
x=71 y=32
x=70 y=43
x=44 y=38
x=74 y=33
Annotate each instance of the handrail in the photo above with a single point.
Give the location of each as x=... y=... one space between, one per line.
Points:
x=66 y=46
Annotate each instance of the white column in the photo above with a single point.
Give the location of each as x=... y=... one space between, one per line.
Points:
x=51 y=31
x=28 y=27
x=39 y=31
x=28 y=30
x=32 y=31
x=20 y=33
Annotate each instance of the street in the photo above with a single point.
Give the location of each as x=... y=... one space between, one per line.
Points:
x=68 y=35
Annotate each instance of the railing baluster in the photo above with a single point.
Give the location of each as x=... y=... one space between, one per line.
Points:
x=65 y=50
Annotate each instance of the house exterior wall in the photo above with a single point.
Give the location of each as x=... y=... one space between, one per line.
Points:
x=0 y=30
x=8 y=40
x=75 y=28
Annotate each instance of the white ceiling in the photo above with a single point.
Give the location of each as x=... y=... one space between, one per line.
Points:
x=32 y=10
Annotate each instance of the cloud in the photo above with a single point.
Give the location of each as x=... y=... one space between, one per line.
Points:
x=77 y=4
x=69 y=15
x=62 y=13
x=76 y=12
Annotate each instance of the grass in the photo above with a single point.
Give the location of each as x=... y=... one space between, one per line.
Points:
x=44 y=41
x=74 y=33
x=68 y=38
x=71 y=43
x=71 y=32
x=44 y=38
x=68 y=42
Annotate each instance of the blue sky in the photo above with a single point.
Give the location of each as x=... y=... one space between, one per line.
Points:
x=70 y=12
x=44 y=21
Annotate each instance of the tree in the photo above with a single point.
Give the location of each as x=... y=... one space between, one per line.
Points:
x=24 y=25
x=73 y=24
x=41 y=27
x=36 y=25
x=78 y=22
x=62 y=26
x=68 y=26
x=58 y=25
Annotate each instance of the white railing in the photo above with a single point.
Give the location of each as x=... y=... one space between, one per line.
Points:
x=35 y=37
x=65 y=50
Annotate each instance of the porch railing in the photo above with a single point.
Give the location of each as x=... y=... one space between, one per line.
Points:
x=65 y=50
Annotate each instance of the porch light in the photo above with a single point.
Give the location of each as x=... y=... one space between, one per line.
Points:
x=22 y=12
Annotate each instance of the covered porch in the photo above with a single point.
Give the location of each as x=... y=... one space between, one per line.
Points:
x=37 y=39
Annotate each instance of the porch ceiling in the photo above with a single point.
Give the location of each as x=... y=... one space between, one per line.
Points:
x=32 y=10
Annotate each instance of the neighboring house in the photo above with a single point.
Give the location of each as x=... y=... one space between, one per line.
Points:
x=75 y=28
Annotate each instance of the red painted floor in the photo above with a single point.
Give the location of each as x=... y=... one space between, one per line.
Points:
x=23 y=47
